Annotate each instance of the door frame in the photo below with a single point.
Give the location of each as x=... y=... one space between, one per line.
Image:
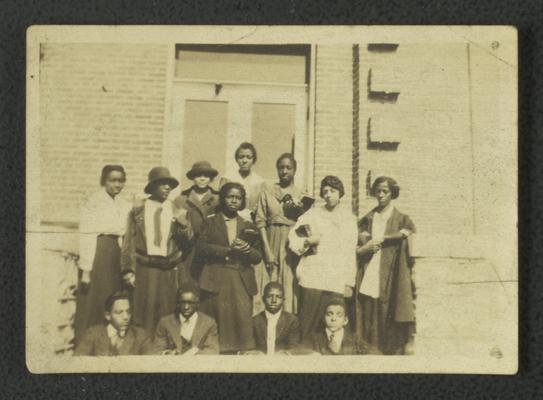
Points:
x=240 y=95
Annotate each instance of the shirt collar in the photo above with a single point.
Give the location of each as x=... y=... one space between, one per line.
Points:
x=336 y=334
x=229 y=219
x=387 y=213
x=192 y=319
x=272 y=317
x=112 y=332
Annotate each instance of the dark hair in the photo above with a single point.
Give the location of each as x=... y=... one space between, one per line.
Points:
x=188 y=287
x=336 y=301
x=392 y=184
x=333 y=182
x=272 y=285
x=288 y=156
x=108 y=169
x=226 y=188
x=246 y=146
x=111 y=299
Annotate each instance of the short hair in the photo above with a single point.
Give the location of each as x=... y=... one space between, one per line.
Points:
x=111 y=299
x=392 y=184
x=336 y=301
x=226 y=188
x=246 y=146
x=272 y=285
x=333 y=182
x=188 y=287
x=287 y=156
x=107 y=169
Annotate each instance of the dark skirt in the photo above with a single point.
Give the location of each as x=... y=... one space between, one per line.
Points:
x=105 y=280
x=232 y=308
x=154 y=295
x=389 y=336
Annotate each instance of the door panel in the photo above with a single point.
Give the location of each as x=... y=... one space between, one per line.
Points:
x=273 y=130
x=204 y=135
x=210 y=120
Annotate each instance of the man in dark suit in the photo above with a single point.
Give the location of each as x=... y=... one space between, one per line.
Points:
x=187 y=331
x=118 y=336
x=335 y=339
x=275 y=330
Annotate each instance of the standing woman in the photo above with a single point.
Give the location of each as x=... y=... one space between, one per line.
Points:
x=102 y=226
x=385 y=312
x=278 y=210
x=200 y=201
x=252 y=182
x=325 y=237
x=229 y=246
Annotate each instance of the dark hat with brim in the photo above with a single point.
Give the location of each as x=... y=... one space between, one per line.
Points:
x=202 y=168
x=160 y=174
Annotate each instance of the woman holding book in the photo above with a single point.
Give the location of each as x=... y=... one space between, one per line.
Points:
x=279 y=207
x=325 y=237
x=229 y=246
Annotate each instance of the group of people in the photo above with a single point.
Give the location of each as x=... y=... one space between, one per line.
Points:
x=254 y=268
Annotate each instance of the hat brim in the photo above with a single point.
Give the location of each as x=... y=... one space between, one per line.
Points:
x=211 y=172
x=172 y=181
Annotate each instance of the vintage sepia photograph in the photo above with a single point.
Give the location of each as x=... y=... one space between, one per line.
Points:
x=336 y=199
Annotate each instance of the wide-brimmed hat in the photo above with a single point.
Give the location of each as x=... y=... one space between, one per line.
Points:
x=160 y=174
x=202 y=168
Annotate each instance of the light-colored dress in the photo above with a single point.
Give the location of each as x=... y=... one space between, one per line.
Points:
x=324 y=274
x=334 y=265
x=270 y=215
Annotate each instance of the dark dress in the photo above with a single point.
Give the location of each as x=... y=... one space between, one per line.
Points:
x=228 y=283
x=105 y=280
x=388 y=322
x=198 y=210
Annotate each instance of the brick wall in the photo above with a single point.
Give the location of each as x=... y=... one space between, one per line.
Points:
x=333 y=115
x=418 y=100
x=99 y=104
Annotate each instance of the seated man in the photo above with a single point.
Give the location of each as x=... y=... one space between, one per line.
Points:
x=118 y=336
x=187 y=331
x=335 y=338
x=275 y=330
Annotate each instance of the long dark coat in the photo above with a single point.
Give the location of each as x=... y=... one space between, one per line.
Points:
x=396 y=287
x=229 y=283
x=197 y=212
x=155 y=293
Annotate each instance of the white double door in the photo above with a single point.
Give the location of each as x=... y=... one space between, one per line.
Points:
x=209 y=121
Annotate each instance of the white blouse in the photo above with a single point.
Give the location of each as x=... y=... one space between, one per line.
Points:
x=334 y=265
x=101 y=215
x=370 y=282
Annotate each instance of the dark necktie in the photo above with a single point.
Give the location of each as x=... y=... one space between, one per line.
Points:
x=158 y=230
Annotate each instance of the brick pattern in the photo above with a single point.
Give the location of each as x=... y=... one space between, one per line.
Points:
x=432 y=162
x=99 y=104
x=334 y=116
